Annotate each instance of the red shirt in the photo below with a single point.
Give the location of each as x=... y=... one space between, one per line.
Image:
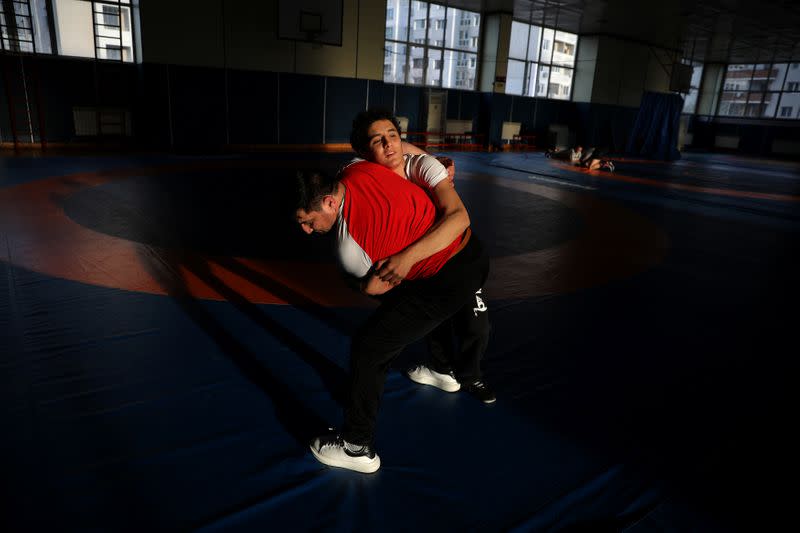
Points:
x=383 y=213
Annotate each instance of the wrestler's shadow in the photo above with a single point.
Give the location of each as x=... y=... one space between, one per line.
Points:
x=170 y=267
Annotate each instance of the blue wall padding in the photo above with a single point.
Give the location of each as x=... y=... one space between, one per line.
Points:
x=409 y=100
x=345 y=98
x=116 y=83
x=5 y=123
x=301 y=111
x=64 y=85
x=462 y=105
x=381 y=94
x=198 y=106
x=453 y=104
x=253 y=107
x=470 y=105
x=606 y=126
x=151 y=123
x=499 y=112
x=198 y=100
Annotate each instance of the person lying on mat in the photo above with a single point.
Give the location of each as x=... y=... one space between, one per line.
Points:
x=591 y=158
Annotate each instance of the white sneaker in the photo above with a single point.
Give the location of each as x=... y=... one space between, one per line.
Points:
x=333 y=450
x=426 y=376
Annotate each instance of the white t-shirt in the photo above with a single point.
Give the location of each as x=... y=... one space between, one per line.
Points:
x=422 y=170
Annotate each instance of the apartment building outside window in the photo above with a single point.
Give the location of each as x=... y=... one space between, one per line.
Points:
x=430 y=44
x=761 y=90
x=541 y=61
x=80 y=28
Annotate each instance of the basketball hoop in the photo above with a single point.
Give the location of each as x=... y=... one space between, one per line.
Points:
x=310 y=23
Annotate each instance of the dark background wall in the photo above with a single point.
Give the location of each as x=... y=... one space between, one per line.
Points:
x=200 y=108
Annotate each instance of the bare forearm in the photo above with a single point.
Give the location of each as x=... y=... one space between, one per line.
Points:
x=439 y=236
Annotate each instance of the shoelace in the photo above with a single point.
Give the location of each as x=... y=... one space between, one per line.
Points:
x=337 y=442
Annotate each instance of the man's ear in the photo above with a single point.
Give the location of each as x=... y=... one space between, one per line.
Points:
x=329 y=201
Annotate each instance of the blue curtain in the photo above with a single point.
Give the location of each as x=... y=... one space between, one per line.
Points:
x=655 y=132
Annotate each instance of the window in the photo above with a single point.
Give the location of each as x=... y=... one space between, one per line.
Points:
x=112 y=51
x=760 y=90
x=81 y=28
x=541 y=61
x=110 y=15
x=24 y=26
x=446 y=36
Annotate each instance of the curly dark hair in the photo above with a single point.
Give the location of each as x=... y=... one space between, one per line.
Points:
x=358 y=133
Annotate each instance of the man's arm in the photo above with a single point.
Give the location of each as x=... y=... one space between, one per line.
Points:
x=412 y=149
x=448 y=163
x=452 y=221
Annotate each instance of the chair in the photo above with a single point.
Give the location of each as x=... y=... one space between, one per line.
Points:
x=510 y=131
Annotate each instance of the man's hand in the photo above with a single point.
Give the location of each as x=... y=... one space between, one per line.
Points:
x=394 y=268
x=373 y=286
x=450 y=165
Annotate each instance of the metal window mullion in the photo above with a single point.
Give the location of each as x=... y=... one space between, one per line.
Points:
x=425 y=44
x=94 y=31
x=51 y=26
x=528 y=62
x=407 y=69
x=575 y=67
x=122 y=48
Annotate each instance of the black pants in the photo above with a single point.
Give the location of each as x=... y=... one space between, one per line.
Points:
x=593 y=153
x=457 y=345
x=408 y=313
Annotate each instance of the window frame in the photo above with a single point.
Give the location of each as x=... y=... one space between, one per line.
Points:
x=534 y=62
x=437 y=51
x=749 y=90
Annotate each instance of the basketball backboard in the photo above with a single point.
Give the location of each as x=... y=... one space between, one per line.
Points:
x=317 y=21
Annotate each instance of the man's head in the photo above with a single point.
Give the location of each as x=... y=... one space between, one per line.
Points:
x=375 y=136
x=317 y=201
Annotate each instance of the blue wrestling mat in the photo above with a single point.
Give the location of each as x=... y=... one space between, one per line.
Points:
x=170 y=342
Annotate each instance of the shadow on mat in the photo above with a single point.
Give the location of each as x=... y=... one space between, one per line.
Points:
x=301 y=423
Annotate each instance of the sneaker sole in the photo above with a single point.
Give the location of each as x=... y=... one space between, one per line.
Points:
x=433 y=382
x=364 y=468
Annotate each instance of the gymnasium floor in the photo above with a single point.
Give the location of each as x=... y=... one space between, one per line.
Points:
x=170 y=342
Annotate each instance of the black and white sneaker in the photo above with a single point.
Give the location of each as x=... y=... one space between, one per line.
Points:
x=481 y=391
x=426 y=376
x=333 y=450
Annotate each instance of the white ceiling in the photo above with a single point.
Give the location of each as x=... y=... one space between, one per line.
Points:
x=724 y=31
